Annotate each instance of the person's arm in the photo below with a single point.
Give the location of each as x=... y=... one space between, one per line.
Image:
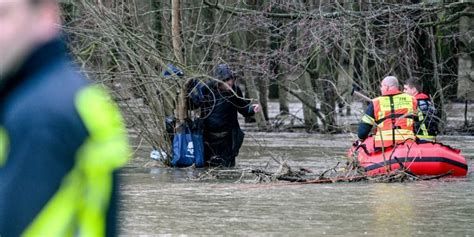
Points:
x=244 y=106
x=366 y=123
x=431 y=120
x=196 y=91
x=416 y=109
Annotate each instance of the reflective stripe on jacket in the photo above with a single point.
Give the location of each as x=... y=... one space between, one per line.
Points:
x=61 y=140
x=81 y=203
x=426 y=126
x=3 y=146
x=394 y=115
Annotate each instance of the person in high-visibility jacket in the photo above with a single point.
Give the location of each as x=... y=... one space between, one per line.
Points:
x=426 y=128
x=393 y=114
x=61 y=138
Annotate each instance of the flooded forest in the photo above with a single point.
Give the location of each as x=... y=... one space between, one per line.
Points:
x=300 y=61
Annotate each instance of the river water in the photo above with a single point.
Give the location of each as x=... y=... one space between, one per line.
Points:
x=163 y=201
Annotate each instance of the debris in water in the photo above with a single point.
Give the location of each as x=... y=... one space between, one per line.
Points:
x=351 y=172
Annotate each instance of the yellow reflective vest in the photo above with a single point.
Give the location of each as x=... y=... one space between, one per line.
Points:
x=394 y=115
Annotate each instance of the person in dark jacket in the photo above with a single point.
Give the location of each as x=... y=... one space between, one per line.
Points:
x=61 y=138
x=426 y=127
x=220 y=101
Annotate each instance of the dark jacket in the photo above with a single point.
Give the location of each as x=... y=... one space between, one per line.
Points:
x=427 y=115
x=364 y=127
x=45 y=136
x=219 y=108
x=222 y=134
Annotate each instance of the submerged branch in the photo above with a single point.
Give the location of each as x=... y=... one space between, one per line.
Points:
x=351 y=172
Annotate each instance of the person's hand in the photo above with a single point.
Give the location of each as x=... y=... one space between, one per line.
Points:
x=357 y=143
x=256 y=108
x=355 y=88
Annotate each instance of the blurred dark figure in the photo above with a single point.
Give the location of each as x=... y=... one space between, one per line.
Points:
x=61 y=138
x=220 y=101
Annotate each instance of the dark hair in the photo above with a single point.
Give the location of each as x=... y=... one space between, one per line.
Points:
x=414 y=82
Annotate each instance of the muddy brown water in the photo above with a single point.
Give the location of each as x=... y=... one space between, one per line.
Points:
x=163 y=201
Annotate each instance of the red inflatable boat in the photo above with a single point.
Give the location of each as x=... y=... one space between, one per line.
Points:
x=421 y=159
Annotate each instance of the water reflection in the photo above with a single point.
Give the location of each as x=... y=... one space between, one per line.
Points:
x=393 y=209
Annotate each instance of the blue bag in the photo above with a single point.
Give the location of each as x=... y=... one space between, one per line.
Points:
x=188 y=145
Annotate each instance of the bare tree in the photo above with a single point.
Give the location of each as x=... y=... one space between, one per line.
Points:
x=311 y=50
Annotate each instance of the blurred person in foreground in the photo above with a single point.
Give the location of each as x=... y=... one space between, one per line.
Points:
x=426 y=128
x=61 y=138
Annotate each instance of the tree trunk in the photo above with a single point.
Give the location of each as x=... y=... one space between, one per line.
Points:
x=176 y=30
x=283 y=94
x=365 y=58
x=439 y=95
x=239 y=40
x=328 y=75
x=465 y=61
x=263 y=85
x=181 y=110
x=263 y=82
x=158 y=25
x=350 y=73
x=253 y=93
x=328 y=106
x=209 y=27
x=276 y=41
x=166 y=96
x=310 y=119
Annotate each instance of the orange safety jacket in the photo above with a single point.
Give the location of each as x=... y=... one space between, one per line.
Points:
x=394 y=114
